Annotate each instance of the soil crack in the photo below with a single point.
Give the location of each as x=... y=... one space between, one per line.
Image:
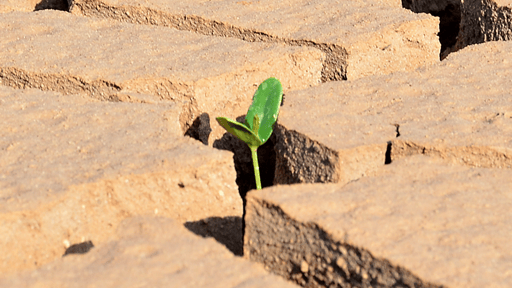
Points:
x=334 y=68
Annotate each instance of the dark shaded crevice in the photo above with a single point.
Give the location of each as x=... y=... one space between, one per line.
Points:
x=200 y=129
x=53 y=5
x=388 y=153
x=449 y=22
x=225 y=230
x=244 y=167
x=243 y=161
x=390 y=146
x=407 y=4
x=80 y=248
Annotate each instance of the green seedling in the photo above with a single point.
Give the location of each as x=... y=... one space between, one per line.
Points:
x=259 y=121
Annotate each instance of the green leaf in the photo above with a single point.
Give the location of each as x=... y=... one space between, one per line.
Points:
x=265 y=105
x=241 y=131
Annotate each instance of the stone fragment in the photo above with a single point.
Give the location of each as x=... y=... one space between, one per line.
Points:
x=360 y=38
x=459 y=110
x=419 y=222
x=71 y=168
x=485 y=20
x=117 y=61
x=150 y=252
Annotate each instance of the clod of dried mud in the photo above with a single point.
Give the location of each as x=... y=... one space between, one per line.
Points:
x=73 y=168
x=420 y=222
x=459 y=110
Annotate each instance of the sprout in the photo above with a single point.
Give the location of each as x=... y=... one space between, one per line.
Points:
x=259 y=121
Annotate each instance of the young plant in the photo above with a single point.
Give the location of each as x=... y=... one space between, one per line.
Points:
x=259 y=121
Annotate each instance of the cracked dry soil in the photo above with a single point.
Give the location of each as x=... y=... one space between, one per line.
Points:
x=388 y=167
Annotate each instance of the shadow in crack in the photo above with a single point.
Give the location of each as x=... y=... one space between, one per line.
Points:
x=226 y=230
x=80 y=248
x=449 y=21
x=244 y=167
x=243 y=161
x=200 y=128
x=52 y=4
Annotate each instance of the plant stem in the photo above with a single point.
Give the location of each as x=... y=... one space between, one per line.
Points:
x=256 y=166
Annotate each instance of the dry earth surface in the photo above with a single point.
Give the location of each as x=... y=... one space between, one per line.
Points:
x=151 y=252
x=359 y=38
x=418 y=222
x=459 y=109
x=109 y=151
x=73 y=168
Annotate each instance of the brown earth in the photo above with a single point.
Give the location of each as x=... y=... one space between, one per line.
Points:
x=359 y=38
x=73 y=168
x=151 y=252
x=419 y=222
x=351 y=129
x=97 y=100
x=113 y=61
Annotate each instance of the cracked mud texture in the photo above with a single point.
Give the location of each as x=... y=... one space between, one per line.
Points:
x=150 y=252
x=359 y=38
x=485 y=20
x=420 y=222
x=85 y=164
x=72 y=168
x=459 y=110
x=115 y=61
